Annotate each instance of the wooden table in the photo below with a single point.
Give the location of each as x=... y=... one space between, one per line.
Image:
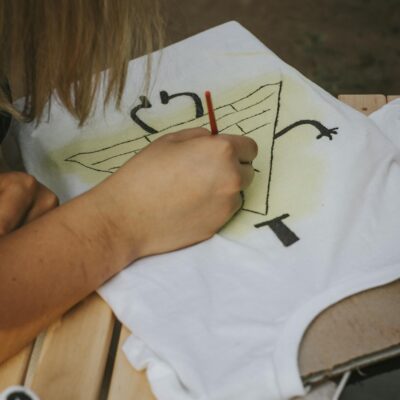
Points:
x=79 y=357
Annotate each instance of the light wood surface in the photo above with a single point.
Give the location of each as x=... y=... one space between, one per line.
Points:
x=366 y=104
x=69 y=361
x=74 y=352
x=13 y=371
x=127 y=383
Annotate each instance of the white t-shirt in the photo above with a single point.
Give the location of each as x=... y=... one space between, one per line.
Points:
x=224 y=319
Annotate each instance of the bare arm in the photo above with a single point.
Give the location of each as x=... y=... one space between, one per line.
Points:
x=51 y=263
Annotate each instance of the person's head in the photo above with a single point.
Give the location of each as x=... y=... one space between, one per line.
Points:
x=63 y=45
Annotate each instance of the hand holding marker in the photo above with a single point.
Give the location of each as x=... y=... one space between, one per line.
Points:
x=214 y=130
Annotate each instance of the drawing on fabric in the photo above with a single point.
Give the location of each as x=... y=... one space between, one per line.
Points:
x=254 y=114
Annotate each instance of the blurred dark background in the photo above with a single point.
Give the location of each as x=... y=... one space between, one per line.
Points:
x=345 y=46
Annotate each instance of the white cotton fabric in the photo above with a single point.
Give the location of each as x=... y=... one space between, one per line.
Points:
x=224 y=319
x=388 y=120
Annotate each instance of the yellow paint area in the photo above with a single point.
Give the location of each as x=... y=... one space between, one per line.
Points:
x=249 y=108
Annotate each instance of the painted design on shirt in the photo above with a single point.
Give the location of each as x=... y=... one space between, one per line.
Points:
x=254 y=113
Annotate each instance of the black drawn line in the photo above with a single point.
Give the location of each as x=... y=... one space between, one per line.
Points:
x=241 y=129
x=178 y=124
x=256 y=104
x=323 y=131
x=258 y=127
x=281 y=230
x=194 y=119
x=165 y=98
x=243 y=109
x=226 y=105
x=254 y=91
x=147 y=104
x=144 y=103
x=87 y=166
x=102 y=148
x=118 y=155
x=252 y=211
x=244 y=119
x=220 y=117
x=283 y=233
x=272 y=148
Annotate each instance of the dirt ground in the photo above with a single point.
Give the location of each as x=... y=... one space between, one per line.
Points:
x=345 y=46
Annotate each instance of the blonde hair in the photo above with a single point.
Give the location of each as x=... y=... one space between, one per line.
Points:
x=63 y=45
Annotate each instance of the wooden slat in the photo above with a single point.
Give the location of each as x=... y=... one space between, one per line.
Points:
x=390 y=98
x=74 y=353
x=36 y=350
x=13 y=371
x=126 y=382
x=364 y=103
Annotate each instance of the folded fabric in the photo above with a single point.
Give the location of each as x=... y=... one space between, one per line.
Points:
x=223 y=319
x=388 y=120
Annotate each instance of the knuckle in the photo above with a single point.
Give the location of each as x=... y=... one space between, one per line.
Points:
x=254 y=146
x=169 y=136
x=224 y=147
x=19 y=181
x=50 y=201
x=251 y=146
x=29 y=183
x=10 y=178
x=202 y=131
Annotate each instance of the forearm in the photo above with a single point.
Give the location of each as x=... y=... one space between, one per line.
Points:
x=176 y=192
x=52 y=263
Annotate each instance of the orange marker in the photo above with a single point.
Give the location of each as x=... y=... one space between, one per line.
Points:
x=211 y=115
